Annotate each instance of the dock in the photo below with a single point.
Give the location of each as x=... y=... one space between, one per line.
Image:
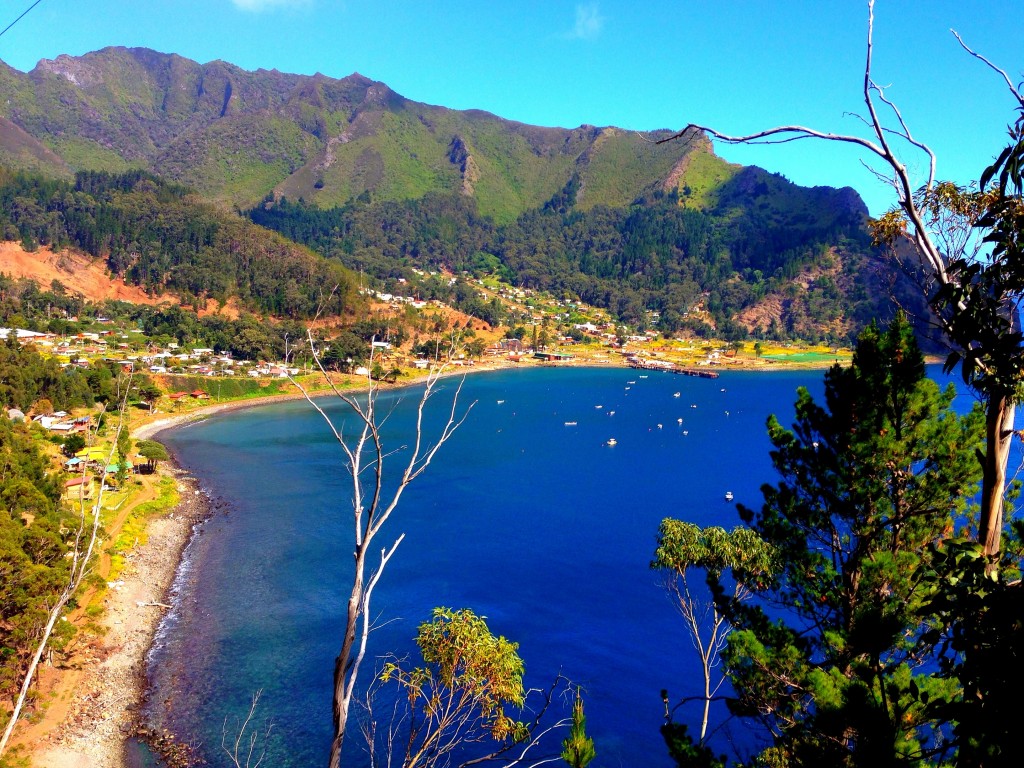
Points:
x=657 y=365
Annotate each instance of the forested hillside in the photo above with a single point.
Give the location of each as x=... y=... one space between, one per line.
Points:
x=162 y=238
x=665 y=235
x=763 y=241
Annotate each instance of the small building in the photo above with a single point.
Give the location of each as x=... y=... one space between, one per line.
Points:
x=15 y=414
x=79 y=489
x=199 y=394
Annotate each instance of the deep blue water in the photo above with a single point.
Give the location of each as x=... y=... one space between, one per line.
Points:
x=539 y=526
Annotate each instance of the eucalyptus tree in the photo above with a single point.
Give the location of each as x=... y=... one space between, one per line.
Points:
x=740 y=556
x=466 y=704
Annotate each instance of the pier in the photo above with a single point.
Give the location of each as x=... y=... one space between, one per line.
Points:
x=657 y=365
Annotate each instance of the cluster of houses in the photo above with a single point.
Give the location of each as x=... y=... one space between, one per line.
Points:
x=395 y=301
x=60 y=422
x=82 y=348
x=89 y=467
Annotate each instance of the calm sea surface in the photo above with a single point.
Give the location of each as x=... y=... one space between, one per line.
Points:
x=533 y=523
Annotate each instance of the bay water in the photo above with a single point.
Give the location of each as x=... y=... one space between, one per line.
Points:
x=527 y=516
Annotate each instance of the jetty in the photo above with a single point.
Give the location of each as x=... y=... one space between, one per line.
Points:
x=667 y=367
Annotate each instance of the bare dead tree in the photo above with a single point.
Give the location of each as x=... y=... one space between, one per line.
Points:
x=373 y=503
x=83 y=547
x=249 y=747
x=917 y=219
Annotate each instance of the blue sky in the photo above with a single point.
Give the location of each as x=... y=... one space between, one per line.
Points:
x=737 y=65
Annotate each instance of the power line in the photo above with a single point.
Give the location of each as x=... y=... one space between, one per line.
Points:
x=24 y=13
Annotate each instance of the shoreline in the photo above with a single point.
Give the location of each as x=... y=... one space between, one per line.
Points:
x=148 y=429
x=107 y=700
x=105 y=704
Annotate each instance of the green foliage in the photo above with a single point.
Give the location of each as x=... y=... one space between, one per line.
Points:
x=988 y=336
x=868 y=484
x=686 y=754
x=653 y=255
x=977 y=616
x=26 y=377
x=159 y=237
x=72 y=444
x=152 y=451
x=741 y=552
x=461 y=693
x=578 y=748
x=33 y=532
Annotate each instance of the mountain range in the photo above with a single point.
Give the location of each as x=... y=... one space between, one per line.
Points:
x=237 y=136
x=352 y=147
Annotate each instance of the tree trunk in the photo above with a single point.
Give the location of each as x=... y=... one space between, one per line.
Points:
x=342 y=664
x=30 y=672
x=999 y=420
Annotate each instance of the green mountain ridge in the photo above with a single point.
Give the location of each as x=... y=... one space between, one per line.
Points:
x=236 y=136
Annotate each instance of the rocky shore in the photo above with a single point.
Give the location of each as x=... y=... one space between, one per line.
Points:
x=104 y=709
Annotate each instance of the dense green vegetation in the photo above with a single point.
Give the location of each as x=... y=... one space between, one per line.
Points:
x=33 y=541
x=158 y=236
x=36 y=528
x=656 y=255
x=235 y=136
x=26 y=377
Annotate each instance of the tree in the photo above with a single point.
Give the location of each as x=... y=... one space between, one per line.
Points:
x=974 y=295
x=72 y=444
x=150 y=392
x=463 y=694
x=827 y=657
x=152 y=451
x=578 y=748
x=684 y=547
x=373 y=504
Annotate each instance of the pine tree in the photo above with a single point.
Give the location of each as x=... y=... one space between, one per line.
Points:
x=578 y=748
x=827 y=658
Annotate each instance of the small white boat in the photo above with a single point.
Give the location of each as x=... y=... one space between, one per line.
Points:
x=676 y=394
x=694 y=405
x=570 y=423
x=643 y=377
x=679 y=421
x=659 y=426
x=611 y=413
x=612 y=441
x=631 y=382
x=686 y=431
x=500 y=402
x=599 y=407
x=728 y=495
